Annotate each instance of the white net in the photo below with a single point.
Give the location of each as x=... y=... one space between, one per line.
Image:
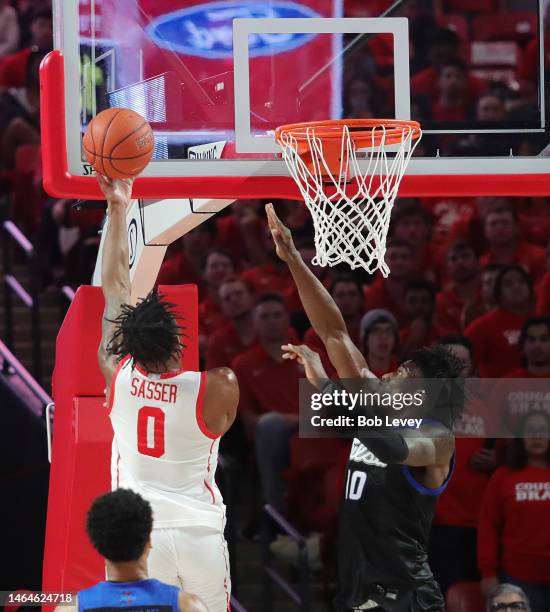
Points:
x=351 y=226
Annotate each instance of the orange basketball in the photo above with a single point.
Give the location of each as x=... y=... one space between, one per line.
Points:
x=118 y=143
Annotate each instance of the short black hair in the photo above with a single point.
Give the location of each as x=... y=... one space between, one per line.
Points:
x=457 y=340
x=460 y=246
x=421 y=284
x=346 y=278
x=499 y=281
x=531 y=322
x=270 y=297
x=148 y=332
x=443 y=36
x=408 y=207
x=119 y=525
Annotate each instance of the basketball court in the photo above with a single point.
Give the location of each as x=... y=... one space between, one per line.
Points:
x=215 y=80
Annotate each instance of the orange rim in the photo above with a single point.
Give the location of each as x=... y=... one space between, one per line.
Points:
x=364 y=132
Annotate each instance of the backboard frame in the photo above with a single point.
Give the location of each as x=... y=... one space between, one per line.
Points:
x=259 y=178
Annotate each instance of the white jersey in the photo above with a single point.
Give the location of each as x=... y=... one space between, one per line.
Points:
x=162 y=448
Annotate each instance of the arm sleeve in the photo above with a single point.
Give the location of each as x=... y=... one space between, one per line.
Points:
x=490 y=528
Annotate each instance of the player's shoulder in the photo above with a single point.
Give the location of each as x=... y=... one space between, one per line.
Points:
x=220 y=376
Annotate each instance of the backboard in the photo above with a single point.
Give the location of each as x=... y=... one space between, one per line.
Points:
x=215 y=79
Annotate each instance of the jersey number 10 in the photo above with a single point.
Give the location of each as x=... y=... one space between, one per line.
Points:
x=150 y=420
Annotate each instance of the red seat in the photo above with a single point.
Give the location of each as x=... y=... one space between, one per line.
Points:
x=519 y=26
x=465 y=597
x=473 y=6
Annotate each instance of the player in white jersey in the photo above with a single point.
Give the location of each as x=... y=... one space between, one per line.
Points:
x=167 y=422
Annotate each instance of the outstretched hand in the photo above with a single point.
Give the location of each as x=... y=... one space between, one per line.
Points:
x=116 y=191
x=281 y=235
x=315 y=372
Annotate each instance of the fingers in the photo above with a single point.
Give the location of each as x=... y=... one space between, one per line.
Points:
x=272 y=218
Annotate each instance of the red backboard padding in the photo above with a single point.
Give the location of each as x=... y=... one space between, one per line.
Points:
x=83 y=434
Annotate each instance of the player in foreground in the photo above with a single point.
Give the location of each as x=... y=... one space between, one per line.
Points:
x=119 y=526
x=167 y=422
x=393 y=479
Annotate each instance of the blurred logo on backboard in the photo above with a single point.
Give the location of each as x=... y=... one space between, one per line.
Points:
x=212 y=150
x=206 y=30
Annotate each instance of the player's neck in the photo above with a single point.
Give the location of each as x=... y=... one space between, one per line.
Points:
x=127 y=572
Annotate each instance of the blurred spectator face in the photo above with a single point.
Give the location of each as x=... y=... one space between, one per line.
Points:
x=308 y=253
x=198 y=240
x=419 y=304
x=347 y=298
x=412 y=229
x=515 y=291
x=42 y=33
x=452 y=81
x=441 y=53
x=488 y=278
x=271 y=321
x=464 y=354
x=235 y=299
x=500 y=228
x=462 y=265
x=359 y=97
x=381 y=340
x=218 y=268
x=537 y=345
x=399 y=260
x=244 y=208
x=536 y=436
x=491 y=108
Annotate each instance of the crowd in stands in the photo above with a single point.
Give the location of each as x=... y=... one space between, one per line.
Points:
x=471 y=273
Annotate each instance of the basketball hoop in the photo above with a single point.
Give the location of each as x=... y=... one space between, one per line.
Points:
x=351 y=208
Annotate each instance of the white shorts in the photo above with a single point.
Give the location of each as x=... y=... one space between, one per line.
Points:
x=196 y=560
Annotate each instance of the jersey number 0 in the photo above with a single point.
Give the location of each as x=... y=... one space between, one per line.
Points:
x=150 y=421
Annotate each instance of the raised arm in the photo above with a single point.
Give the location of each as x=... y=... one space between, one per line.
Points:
x=320 y=308
x=115 y=274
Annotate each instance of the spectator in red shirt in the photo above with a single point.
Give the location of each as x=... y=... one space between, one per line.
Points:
x=239 y=335
x=13 y=68
x=463 y=270
x=419 y=306
x=452 y=550
x=240 y=233
x=451 y=104
x=184 y=260
x=271 y=276
x=389 y=293
x=495 y=335
x=218 y=267
x=269 y=395
x=513 y=539
x=475 y=309
x=380 y=341
x=534 y=342
x=502 y=233
x=444 y=46
x=9 y=28
x=412 y=223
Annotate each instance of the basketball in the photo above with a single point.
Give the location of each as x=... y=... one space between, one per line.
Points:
x=118 y=143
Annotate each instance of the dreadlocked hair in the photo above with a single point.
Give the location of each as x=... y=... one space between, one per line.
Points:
x=449 y=397
x=148 y=332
